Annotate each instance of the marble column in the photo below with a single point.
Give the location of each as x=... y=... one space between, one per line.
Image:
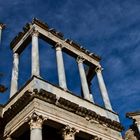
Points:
x=68 y=133
x=35 y=123
x=60 y=66
x=2 y=26
x=35 y=54
x=138 y=125
x=14 y=80
x=103 y=89
x=84 y=83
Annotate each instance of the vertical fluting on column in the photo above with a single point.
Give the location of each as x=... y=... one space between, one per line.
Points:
x=60 y=66
x=14 y=79
x=103 y=89
x=35 y=54
x=83 y=79
x=35 y=123
x=2 y=26
x=68 y=133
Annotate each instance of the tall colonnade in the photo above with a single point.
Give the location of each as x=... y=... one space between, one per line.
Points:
x=35 y=69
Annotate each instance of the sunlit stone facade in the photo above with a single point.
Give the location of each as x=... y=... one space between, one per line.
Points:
x=41 y=110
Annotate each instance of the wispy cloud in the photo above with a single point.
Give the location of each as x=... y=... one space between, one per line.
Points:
x=109 y=28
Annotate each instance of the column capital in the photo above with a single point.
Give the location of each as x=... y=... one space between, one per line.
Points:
x=35 y=121
x=80 y=59
x=2 y=26
x=69 y=132
x=35 y=33
x=15 y=54
x=58 y=47
x=96 y=138
x=98 y=69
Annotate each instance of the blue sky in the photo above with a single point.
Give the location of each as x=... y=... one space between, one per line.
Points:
x=110 y=28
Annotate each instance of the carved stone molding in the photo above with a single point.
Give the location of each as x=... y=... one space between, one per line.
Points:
x=36 y=121
x=62 y=103
x=68 y=133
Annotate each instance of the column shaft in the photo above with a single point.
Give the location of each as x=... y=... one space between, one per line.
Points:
x=36 y=134
x=68 y=138
x=0 y=34
x=84 y=83
x=103 y=89
x=35 y=54
x=35 y=123
x=14 y=80
x=60 y=67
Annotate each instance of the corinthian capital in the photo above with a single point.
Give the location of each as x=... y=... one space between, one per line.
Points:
x=98 y=69
x=58 y=47
x=2 y=26
x=80 y=59
x=35 y=33
x=68 y=132
x=36 y=121
x=96 y=138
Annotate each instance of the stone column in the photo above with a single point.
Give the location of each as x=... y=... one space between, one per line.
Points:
x=35 y=123
x=68 y=133
x=14 y=80
x=60 y=66
x=103 y=88
x=84 y=83
x=138 y=125
x=35 y=54
x=2 y=26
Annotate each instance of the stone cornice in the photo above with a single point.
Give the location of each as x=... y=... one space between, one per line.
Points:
x=130 y=114
x=62 y=103
x=20 y=35
x=81 y=48
x=55 y=33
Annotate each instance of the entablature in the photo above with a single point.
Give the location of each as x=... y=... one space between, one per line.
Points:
x=52 y=37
